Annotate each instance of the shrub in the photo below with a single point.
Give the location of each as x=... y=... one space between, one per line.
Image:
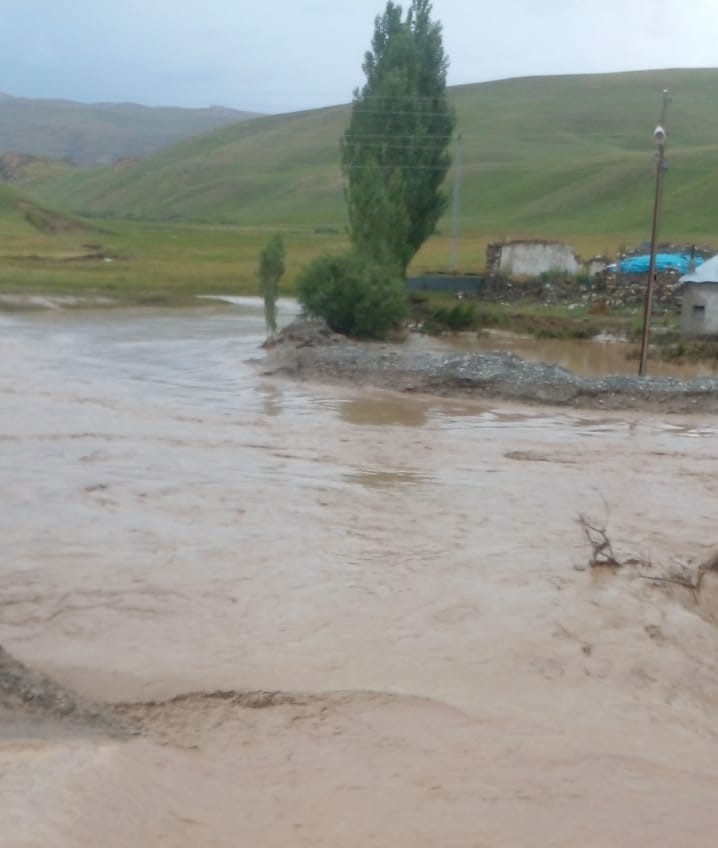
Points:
x=353 y=295
x=461 y=316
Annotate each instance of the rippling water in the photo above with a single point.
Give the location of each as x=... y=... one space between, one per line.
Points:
x=199 y=362
x=588 y=358
x=130 y=426
x=172 y=522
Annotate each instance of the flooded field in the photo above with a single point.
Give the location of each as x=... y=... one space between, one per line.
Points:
x=589 y=358
x=343 y=617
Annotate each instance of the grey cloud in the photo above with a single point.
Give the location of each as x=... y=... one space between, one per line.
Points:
x=293 y=54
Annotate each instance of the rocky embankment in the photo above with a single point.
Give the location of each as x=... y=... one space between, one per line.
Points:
x=309 y=351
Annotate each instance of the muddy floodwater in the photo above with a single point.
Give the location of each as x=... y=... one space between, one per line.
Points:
x=335 y=616
x=588 y=358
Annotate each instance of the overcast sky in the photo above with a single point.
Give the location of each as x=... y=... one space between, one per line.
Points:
x=286 y=55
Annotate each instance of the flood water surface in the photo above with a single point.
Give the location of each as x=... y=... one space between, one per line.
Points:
x=588 y=358
x=407 y=575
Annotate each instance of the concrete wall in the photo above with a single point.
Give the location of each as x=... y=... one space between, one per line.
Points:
x=699 y=310
x=596 y=266
x=531 y=259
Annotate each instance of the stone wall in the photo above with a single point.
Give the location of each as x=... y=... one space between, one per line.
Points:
x=630 y=289
x=518 y=270
x=613 y=290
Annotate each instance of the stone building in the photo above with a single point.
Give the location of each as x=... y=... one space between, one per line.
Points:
x=533 y=257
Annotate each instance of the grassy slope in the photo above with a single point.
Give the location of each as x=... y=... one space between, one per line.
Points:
x=102 y=132
x=270 y=170
x=21 y=169
x=574 y=154
x=51 y=253
x=558 y=157
x=23 y=220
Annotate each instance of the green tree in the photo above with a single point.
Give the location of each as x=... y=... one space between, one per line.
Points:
x=353 y=295
x=271 y=269
x=395 y=150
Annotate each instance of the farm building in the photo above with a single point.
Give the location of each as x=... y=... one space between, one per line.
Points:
x=531 y=258
x=699 y=307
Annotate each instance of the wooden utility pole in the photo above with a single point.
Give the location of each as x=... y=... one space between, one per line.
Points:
x=659 y=136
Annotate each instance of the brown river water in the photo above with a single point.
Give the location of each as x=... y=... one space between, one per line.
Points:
x=406 y=574
x=590 y=358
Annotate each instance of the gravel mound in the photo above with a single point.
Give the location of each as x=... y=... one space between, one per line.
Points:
x=309 y=351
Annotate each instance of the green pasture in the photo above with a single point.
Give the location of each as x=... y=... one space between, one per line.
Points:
x=141 y=262
x=567 y=158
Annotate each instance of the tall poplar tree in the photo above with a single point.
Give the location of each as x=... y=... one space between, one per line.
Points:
x=395 y=151
x=272 y=262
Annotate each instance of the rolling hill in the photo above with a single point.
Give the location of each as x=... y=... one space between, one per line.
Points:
x=91 y=134
x=22 y=217
x=544 y=156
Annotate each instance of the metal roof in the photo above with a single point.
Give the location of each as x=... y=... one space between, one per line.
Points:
x=707 y=273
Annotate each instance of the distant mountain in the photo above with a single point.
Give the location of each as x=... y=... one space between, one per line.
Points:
x=541 y=157
x=100 y=133
x=22 y=168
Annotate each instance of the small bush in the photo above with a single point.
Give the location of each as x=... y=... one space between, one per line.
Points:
x=461 y=316
x=353 y=295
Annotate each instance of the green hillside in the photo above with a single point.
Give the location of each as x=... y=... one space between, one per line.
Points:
x=558 y=157
x=23 y=219
x=90 y=134
x=22 y=169
x=282 y=168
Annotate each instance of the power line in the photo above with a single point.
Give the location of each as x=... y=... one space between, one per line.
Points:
x=402 y=112
x=398 y=97
x=402 y=135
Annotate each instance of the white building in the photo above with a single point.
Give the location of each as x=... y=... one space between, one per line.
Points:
x=699 y=308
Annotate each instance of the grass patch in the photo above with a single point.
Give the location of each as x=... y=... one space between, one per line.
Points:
x=133 y=262
x=439 y=313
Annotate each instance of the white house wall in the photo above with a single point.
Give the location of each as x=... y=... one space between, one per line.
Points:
x=531 y=259
x=699 y=310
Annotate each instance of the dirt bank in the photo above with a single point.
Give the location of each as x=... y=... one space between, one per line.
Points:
x=308 y=351
x=31 y=704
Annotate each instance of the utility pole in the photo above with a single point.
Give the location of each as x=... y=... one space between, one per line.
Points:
x=659 y=136
x=456 y=215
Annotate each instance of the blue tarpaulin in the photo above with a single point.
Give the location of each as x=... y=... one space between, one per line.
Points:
x=680 y=262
